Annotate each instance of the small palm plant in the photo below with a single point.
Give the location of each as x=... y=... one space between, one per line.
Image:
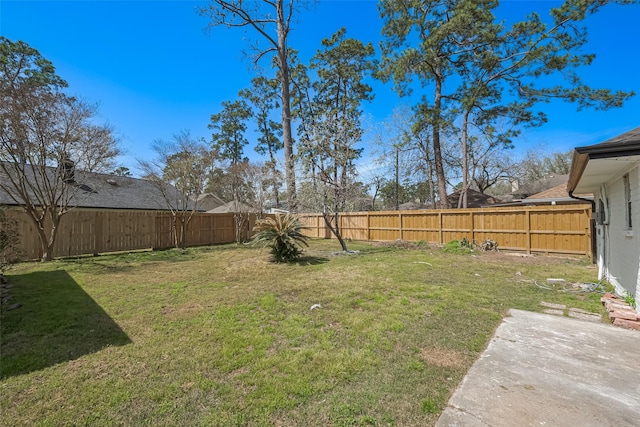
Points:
x=283 y=234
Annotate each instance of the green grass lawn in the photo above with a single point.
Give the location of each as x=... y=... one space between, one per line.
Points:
x=219 y=336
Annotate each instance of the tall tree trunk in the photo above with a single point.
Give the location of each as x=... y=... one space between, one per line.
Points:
x=49 y=241
x=289 y=163
x=174 y=226
x=335 y=229
x=465 y=160
x=47 y=252
x=432 y=188
x=437 y=151
x=274 y=170
x=183 y=234
x=397 y=177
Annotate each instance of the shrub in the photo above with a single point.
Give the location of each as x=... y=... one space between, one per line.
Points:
x=630 y=299
x=457 y=247
x=9 y=240
x=283 y=234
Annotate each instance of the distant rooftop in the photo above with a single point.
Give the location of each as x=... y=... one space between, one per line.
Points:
x=95 y=190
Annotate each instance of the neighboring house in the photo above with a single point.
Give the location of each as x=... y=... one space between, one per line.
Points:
x=412 y=205
x=231 y=207
x=550 y=181
x=102 y=191
x=611 y=170
x=208 y=201
x=475 y=199
x=557 y=196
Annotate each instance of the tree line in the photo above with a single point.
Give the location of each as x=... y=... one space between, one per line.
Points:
x=482 y=82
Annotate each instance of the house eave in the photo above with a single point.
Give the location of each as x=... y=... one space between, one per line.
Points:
x=606 y=150
x=595 y=164
x=578 y=165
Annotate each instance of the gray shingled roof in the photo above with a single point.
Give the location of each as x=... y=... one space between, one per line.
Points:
x=626 y=142
x=231 y=207
x=475 y=199
x=94 y=190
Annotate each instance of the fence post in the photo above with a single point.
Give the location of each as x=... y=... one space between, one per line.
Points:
x=528 y=228
x=99 y=233
x=400 y=224
x=368 y=226
x=156 y=230
x=440 y=226
x=472 y=227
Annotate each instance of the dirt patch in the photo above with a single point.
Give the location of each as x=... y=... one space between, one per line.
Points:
x=498 y=257
x=403 y=244
x=175 y=312
x=442 y=357
x=522 y=258
x=243 y=370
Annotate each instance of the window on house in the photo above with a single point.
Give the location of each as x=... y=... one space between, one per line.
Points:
x=627 y=201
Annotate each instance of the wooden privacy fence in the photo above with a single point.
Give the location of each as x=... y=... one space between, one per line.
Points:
x=563 y=229
x=94 y=231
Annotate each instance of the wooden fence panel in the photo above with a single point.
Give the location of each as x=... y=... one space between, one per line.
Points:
x=223 y=228
x=86 y=231
x=564 y=229
x=203 y=229
x=384 y=226
x=354 y=226
x=508 y=228
x=456 y=225
x=421 y=226
x=200 y=231
x=125 y=230
x=29 y=244
x=76 y=235
x=315 y=226
x=560 y=231
x=164 y=232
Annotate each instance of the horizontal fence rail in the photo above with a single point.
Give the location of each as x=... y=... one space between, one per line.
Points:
x=536 y=229
x=561 y=229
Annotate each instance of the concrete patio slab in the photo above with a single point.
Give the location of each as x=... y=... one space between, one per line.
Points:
x=545 y=370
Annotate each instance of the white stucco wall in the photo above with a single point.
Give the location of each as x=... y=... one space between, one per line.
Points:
x=619 y=247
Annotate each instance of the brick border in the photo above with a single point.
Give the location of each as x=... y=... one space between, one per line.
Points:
x=621 y=313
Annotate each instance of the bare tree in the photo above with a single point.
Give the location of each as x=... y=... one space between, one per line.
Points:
x=271 y=19
x=180 y=172
x=48 y=141
x=255 y=177
x=395 y=153
x=376 y=183
x=490 y=164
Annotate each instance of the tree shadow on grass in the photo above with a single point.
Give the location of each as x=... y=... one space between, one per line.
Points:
x=310 y=260
x=57 y=322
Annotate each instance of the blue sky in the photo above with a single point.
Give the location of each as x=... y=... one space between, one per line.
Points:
x=154 y=69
